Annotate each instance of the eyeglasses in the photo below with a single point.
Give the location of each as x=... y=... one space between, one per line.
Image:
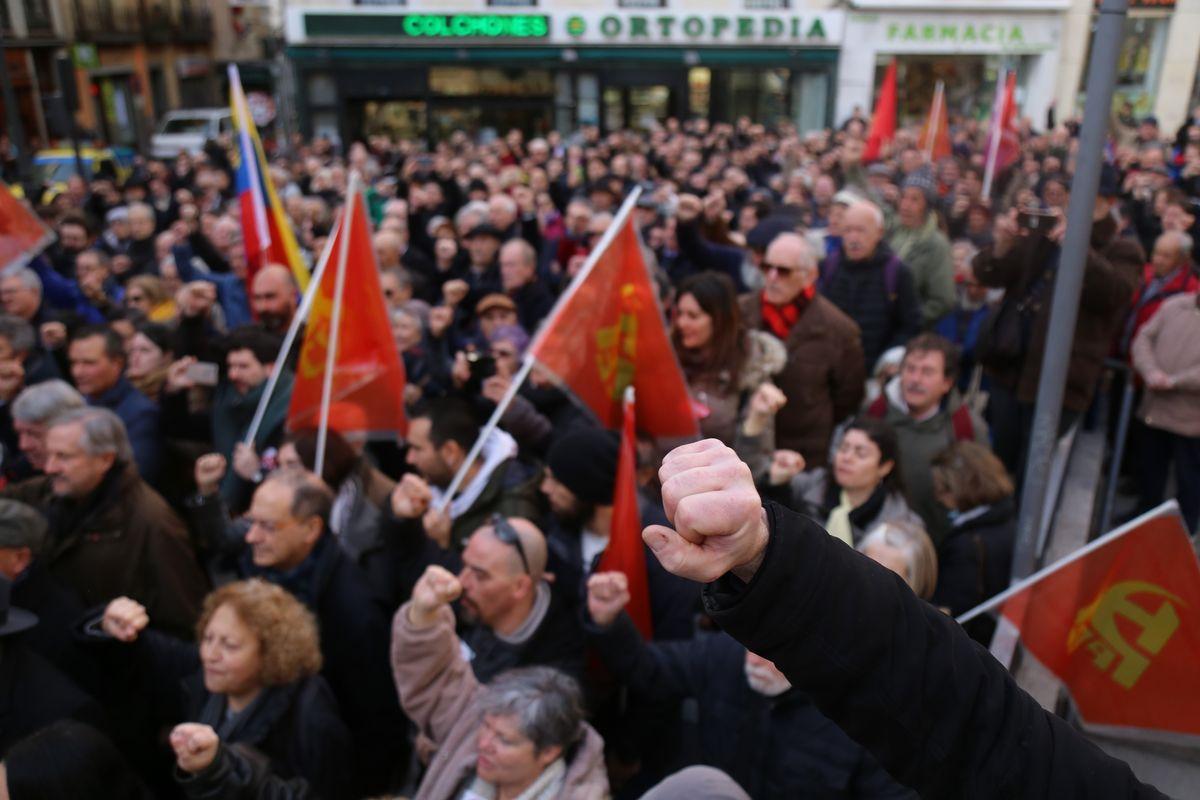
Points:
x=784 y=272
x=500 y=352
x=506 y=533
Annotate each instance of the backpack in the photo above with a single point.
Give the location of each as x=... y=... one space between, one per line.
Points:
x=960 y=420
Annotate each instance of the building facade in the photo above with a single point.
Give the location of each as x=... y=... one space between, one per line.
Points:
x=427 y=68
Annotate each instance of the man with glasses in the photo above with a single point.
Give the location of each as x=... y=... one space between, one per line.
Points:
x=288 y=543
x=823 y=378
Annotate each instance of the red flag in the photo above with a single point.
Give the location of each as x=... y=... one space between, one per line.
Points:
x=1121 y=627
x=22 y=234
x=625 y=552
x=1004 y=142
x=607 y=332
x=368 y=374
x=935 y=135
x=883 y=120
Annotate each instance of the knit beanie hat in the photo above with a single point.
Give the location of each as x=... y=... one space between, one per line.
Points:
x=923 y=181
x=585 y=461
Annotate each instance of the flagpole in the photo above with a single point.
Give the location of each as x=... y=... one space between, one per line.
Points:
x=289 y=339
x=335 y=324
x=1108 y=538
x=989 y=170
x=527 y=365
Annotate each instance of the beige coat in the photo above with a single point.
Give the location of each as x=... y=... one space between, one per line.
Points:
x=440 y=694
x=1167 y=343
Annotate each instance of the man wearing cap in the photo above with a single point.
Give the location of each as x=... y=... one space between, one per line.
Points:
x=578 y=484
x=482 y=267
x=920 y=244
x=1024 y=264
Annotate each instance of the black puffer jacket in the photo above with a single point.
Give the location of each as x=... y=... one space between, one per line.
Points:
x=902 y=679
x=882 y=300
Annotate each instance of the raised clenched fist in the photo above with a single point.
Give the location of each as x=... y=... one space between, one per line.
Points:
x=209 y=471
x=719 y=523
x=124 y=619
x=607 y=595
x=195 y=746
x=436 y=588
x=411 y=497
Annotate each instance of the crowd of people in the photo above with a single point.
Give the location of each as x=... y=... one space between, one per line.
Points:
x=188 y=610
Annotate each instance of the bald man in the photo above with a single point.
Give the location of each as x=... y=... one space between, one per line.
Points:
x=823 y=376
x=273 y=297
x=513 y=619
x=871 y=284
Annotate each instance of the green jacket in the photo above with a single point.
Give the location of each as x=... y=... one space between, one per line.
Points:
x=926 y=251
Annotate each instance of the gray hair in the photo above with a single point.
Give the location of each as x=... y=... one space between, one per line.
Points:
x=919 y=556
x=874 y=208
x=144 y=210
x=29 y=279
x=476 y=208
x=103 y=432
x=546 y=703
x=310 y=496
x=18 y=332
x=21 y=526
x=1183 y=241
x=42 y=402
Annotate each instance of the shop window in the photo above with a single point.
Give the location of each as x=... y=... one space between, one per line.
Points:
x=396 y=119
x=648 y=106
x=614 y=109
x=773 y=88
x=467 y=82
x=700 y=91
x=1139 y=63
x=322 y=90
x=588 y=100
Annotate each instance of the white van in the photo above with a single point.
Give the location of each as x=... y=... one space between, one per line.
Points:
x=187 y=131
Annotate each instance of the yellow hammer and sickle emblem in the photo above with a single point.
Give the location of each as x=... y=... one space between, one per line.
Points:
x=1096 y=629
x=312 y=359
x=616 y=346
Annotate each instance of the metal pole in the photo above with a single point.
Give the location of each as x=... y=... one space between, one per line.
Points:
x=335 y=325
x=1118 y=451
x=1068 y=284
x=12 y=114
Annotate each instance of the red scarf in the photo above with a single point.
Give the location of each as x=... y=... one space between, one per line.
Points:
x=780 y=320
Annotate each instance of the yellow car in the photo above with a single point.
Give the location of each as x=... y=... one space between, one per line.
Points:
x=53 y=168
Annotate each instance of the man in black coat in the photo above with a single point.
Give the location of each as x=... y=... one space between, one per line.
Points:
x=782 y=746
x=897 y=675
x=289 y=544
x=871 y=284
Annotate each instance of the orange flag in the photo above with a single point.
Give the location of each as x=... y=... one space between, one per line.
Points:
x=368 y=374
x=22 y=234
x=625 y=552
x=1120 y=627
x=935 y=136
x=883 y=120
x=607 y=332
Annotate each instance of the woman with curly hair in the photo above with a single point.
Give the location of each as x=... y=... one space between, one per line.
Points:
x=259 y=717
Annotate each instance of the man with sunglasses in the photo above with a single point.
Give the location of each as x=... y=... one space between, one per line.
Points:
x=512 y=618
x=823 y=377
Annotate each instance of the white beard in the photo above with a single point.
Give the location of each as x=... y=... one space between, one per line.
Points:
x=765 y=681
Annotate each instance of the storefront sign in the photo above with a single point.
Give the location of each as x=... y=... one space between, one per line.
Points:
x=940 y=33
x=796 y=29
x=813 y=29
x=641 y=3
x=432 y=27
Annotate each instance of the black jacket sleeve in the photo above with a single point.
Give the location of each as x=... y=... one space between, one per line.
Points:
x=667 y=670
x=902 y=679
x=239 y=773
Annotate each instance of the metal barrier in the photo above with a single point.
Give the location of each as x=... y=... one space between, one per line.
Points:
x=1118 y=446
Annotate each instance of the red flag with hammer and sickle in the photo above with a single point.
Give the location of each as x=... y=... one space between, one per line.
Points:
x=22 y=234
x=1121 y=628
x=368 y=376
x=607 y=333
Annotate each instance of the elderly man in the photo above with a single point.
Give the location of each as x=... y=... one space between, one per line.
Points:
x=143 y=225
x=274 y=297
x=110 y=534
x=289 y=543
x=1166 y=356
x=21 y=296
x=871 y=284
x=519 y=279
x=919 y=243
x=823 y=378
x=97 y=366
x=32 y=411
x=921 y=405
x=1168 y=273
